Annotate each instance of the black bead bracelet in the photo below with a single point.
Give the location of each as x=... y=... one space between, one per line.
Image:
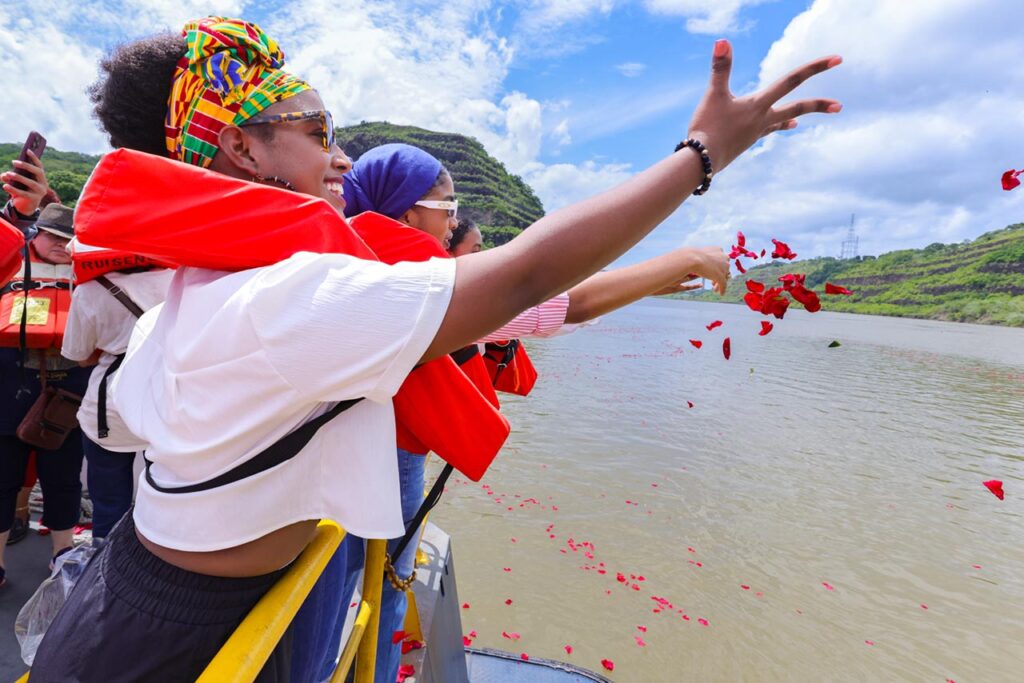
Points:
x=705 y=160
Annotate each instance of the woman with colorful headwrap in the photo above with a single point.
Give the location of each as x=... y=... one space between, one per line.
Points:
x=235 y=360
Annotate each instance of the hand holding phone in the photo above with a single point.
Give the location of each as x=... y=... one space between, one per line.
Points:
x=28 y=193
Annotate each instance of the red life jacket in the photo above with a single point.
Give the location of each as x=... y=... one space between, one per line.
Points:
x=91 y=262
x=48 y=300
x=392 y=242
x=509 y=368
x=133 y=202
x=11 y=242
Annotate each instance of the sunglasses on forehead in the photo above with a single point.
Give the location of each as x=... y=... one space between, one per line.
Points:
x=450 y=206
x=324 y=116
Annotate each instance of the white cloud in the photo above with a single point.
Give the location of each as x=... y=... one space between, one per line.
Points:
x=561 y=134
x=933 y=113
x=631 y=69
x=703 y=16
x=559 y=185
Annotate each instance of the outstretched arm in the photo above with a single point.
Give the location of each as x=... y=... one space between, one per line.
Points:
x=566 y=246
x=612 y=289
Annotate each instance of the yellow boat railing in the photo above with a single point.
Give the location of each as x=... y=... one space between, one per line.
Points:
x=242 y=657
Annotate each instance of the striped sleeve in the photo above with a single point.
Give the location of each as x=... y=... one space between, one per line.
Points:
x=540 y=321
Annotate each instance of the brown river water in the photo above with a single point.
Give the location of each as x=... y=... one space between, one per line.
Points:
x=820 y=509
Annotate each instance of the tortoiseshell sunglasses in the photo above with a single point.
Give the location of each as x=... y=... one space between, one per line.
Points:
x=326 y=122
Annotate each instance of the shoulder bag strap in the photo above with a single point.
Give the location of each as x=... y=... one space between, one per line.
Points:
x=277 y=453
x=119 y=294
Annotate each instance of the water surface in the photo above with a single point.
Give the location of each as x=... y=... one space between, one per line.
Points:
x=821 y=509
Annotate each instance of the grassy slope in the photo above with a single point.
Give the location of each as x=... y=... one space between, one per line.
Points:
x=980 y=281
x=498 y=201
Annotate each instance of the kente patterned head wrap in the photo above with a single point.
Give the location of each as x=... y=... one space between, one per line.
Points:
x=231 y=71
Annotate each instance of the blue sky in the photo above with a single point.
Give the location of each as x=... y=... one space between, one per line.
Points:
x=578 y=95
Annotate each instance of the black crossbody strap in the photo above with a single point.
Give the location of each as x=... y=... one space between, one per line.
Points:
x=463 y=355
x=426 y=506
x=102 y=428
x=119 y=294
x=277 y=453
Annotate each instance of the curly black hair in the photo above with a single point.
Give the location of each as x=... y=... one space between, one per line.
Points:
x=460 y=232
x=131 y=94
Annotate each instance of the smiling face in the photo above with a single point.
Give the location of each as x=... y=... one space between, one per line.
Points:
x=434 y=222
x=291 y=151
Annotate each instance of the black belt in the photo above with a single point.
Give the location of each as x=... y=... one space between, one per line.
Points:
x=465 y=354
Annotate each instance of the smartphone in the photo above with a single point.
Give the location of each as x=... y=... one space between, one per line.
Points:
x=37 y=144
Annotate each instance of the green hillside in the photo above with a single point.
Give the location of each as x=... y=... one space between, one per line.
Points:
x=498 y=201
x=66 y=171
x=980 y=281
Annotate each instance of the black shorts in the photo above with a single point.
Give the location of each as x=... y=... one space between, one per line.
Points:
x=134 y=617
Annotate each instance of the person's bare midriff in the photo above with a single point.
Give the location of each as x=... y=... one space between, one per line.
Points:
x=262 y=556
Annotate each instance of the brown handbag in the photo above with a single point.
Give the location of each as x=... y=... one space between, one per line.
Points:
x=51 y=418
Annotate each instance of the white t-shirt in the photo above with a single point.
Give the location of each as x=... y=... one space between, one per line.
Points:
x=232 y=362
x=97 y=320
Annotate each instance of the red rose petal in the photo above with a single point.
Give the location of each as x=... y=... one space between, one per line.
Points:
x=397 y=636
x=766 y=327
x=996 y=487
x=697 y=343
x=727 y=348
x=465 y=605
x=404 y=671
x=568 y=649
x=739 y=267
x=510 y=635
x=507 y=569
x=828 y=586
x=525 y=657
x=410 y=645
x=508 y=601
x=608 y=664
x=744 y=586
x=713 y=325
x=755 y=286
x=472 y=634
x=869 y=642
x=782 y=250
x=807 y=297
x=466 y=641
x=836 y=289
x=1010 y=179
x=640 y=641
x=703 y=622
x=689 y=404
x=741 y=239
x=924 y=606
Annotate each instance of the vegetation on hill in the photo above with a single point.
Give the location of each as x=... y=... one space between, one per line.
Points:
x=978 y=281
x=66 y=171
x=501 y=203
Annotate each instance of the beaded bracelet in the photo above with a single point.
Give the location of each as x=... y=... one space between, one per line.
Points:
x=705 y=160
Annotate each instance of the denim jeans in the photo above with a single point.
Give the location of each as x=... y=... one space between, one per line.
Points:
x=319 y=623
x=111 y=484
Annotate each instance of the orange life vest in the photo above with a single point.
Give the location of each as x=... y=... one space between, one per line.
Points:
x=11 y=242
x=133 y=202
x=91 y=262
x=45 y=305
x=509 y=367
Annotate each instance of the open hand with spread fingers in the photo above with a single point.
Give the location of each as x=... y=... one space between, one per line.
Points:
x=727 y=125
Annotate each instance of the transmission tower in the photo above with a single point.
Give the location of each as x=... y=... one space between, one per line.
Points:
x=851 y=243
